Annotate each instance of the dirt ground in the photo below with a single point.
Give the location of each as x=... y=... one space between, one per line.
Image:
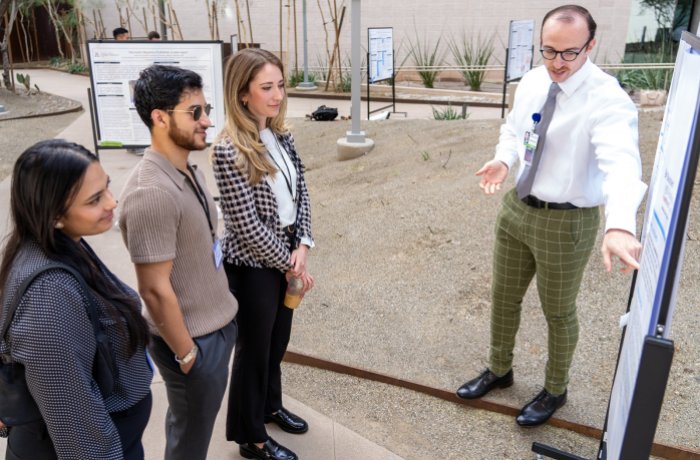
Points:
x=403 y=268
x=403 y=264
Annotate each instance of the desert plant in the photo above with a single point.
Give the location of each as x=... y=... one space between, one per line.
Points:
x=426 y=58
x=76 y=67
x=652 y=78
x=470 y=53
x=297 y=76
x=449 y=113
x=25 y=80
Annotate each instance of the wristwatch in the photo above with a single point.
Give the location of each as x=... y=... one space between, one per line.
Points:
x=188 y=357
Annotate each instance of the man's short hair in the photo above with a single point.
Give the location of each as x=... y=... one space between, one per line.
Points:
x=153 y=35
x=161 y=87
x=119 y=31
x=568 y=13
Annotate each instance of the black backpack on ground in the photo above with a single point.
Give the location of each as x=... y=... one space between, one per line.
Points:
x=324 y=113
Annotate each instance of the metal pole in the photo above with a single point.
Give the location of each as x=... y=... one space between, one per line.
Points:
x=355 y=135
x=306 y=84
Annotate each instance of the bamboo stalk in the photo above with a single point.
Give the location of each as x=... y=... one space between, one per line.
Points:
x=238 y=23
x=102 y=24
x=280 y=3
x=145 y=20
x=328 y=53
x=337 y=45
x=250 y=23
x=216 y=20
x=176 y=22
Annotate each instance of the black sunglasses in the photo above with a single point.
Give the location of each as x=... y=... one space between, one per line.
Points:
x=196 y=111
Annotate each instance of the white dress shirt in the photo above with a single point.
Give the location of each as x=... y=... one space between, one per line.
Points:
x=286 y=207
x=591 y=153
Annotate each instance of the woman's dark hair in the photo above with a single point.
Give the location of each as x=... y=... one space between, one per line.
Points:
x=45 y=181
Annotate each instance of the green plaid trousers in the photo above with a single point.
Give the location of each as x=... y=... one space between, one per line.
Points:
x=555 y=245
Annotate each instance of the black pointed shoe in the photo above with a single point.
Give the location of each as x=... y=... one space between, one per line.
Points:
x=270 y=450
x=540 y=409
x=487 y=381
x=291 y=423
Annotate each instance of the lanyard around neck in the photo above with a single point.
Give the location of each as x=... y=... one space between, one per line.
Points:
x=287 y=180
x=201 y=196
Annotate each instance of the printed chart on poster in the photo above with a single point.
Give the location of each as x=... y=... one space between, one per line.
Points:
x=520 y=41
x=660 y=225
x=381 y=54
x=115 y=67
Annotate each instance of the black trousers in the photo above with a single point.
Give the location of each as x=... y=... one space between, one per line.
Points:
x=32 y=441
x=264 y=327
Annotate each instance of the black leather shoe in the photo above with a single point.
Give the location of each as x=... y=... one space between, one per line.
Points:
x=540 y=409
x=269 y=451
x=291 y=423
x=487 y=381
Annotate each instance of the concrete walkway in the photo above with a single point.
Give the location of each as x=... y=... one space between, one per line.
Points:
x=326 y=438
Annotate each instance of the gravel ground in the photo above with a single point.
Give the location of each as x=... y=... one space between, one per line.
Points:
x=403 y=269
x=403 y=263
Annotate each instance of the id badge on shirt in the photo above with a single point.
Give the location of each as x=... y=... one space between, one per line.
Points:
x=530 y=142
x=218 y=254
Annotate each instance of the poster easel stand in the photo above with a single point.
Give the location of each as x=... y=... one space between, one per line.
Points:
x=393 y=93
x=93 y=122
x=506 y=81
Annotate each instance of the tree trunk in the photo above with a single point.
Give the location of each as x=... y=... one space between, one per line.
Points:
x=6 y=80
x=11 y=15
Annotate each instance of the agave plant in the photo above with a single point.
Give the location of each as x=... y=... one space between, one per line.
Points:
x=469 y=53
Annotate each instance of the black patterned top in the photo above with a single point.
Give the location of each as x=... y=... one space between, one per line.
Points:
x=52 y=336
x=253 y=235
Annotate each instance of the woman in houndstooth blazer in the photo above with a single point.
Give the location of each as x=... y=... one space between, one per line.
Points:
x=268 y=235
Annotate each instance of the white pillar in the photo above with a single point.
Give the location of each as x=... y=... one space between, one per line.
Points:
x=306 y=84
x=355 y=143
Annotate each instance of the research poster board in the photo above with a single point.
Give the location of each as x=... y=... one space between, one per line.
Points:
x=658 y=276
x=521 y=38
x=115 y=67
x=381 y=54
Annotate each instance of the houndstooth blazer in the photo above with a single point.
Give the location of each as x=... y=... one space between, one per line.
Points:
x=253 y=235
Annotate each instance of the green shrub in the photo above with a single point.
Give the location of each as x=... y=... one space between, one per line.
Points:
x=635 y=79
x=449 y=113
x=470 y=53
x=25 y=80
x=426 y=58
x=297 y=76
x=76 y=67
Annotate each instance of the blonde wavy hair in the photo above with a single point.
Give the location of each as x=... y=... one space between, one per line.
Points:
x=241 y=125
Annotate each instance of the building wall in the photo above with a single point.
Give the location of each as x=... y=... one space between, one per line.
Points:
x=429 y=21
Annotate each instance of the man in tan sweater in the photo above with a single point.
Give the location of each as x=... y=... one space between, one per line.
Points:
x=168 y=223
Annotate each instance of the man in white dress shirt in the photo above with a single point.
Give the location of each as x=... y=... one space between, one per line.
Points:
x=547 y=226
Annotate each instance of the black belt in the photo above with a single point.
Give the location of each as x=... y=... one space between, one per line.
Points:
x=535 y=202
x=289 y=229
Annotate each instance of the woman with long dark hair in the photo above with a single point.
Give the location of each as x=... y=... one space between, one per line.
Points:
x=60 y=194
x=268 y=235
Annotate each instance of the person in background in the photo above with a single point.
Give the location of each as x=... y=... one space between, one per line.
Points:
x=59 y=194
x=266 y=209
x=168 y=223
x=547 y=227
x=120 y=34
x=153 y=35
